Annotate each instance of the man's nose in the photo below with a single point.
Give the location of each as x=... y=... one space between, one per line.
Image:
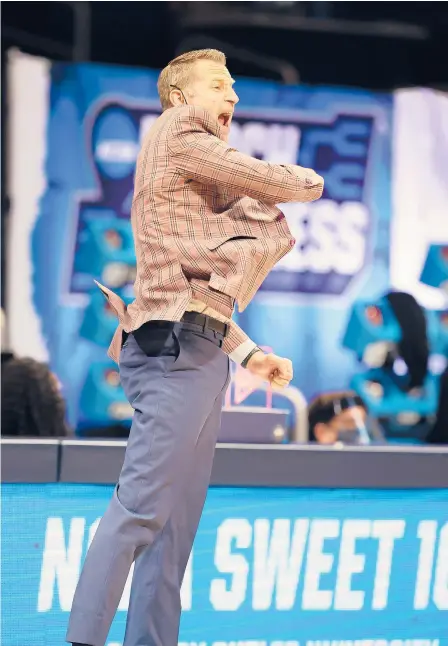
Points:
x=232 y=97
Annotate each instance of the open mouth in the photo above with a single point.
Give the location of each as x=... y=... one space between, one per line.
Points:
x=224 y=119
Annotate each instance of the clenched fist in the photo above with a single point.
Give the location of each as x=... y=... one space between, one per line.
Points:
x=277 y=371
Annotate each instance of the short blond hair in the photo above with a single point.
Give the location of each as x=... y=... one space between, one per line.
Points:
x=178 y=71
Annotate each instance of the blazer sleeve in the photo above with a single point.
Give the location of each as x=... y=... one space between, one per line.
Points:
x=237 y=344
x=198 y=154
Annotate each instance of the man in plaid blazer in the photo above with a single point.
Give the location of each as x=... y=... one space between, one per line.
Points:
x=207 y=233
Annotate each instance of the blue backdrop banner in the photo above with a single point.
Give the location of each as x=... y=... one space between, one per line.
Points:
x=269 y=567
x=97 y=118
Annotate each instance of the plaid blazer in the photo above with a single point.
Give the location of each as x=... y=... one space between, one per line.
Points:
x=205 y=223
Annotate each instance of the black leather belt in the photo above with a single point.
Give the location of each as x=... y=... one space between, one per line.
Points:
x=206 y=322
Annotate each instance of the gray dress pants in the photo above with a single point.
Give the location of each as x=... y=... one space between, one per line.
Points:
x=176 y=387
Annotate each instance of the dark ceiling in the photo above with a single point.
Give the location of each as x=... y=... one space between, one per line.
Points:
x=381 y=45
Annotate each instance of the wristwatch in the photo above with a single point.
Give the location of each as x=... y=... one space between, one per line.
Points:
x=250 y=355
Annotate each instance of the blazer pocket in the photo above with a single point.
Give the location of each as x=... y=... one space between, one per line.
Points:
x=215 y=243
x=230 y=285
x=231 y=266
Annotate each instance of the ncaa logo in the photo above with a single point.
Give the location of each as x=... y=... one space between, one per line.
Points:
x=115 y=142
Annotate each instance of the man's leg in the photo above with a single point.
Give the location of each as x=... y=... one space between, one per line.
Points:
x=153 y=619
x=172 y=402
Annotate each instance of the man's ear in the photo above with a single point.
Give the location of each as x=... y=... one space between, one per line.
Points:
x=176 y=98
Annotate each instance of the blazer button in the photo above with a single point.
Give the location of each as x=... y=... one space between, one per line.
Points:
x=292 y=243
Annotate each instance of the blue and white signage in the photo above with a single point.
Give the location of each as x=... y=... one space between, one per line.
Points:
x=283 y=567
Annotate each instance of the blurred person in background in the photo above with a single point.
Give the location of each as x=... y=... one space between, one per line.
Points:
x=413 y=347
x=339 y=417
x=207 y=232
x=32 y=404
x=439 y=432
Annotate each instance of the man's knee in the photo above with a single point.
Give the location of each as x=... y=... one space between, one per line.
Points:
x=150 y=509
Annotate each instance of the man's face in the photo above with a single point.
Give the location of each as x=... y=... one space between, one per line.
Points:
x=347 y=421
x=211 y=87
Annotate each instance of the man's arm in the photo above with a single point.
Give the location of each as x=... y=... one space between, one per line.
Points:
x=269 y=367
x=199 y=155
x=237 y=344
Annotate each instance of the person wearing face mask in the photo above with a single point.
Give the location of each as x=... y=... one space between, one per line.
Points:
x=207 y=233
x=338 y=417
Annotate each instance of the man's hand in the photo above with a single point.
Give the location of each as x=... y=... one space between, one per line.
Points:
x=277 y=371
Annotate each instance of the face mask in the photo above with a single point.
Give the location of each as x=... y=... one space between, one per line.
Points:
x=351 y=436
x=360 y=435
